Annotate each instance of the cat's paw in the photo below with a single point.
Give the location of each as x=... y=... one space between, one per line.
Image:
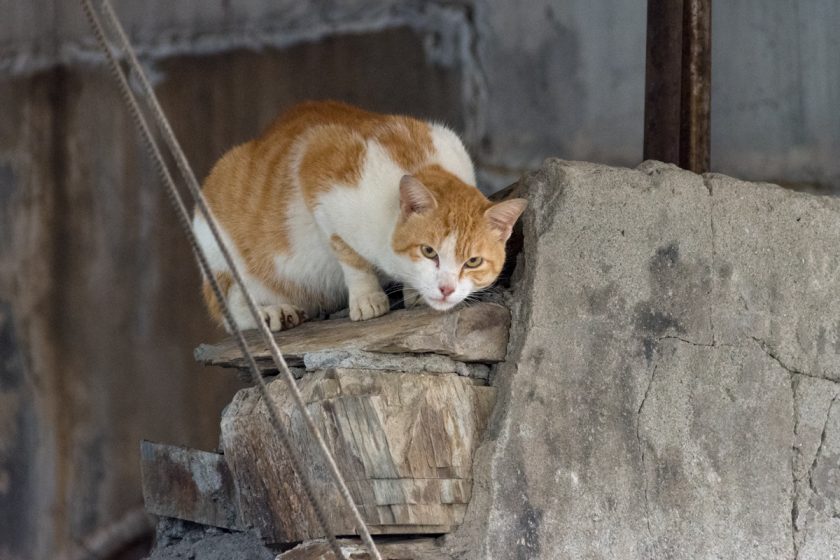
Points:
x=282 y=316
x=369 y=305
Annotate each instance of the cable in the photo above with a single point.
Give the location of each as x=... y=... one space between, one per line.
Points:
x=184 y=220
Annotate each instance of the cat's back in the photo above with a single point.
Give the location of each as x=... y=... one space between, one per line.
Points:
x=318 y=144
x=338 y=140
x=308 y=115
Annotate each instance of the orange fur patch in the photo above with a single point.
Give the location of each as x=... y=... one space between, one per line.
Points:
x=460 y=212
x=347 y=255
x=408 y=142
x=333 y=156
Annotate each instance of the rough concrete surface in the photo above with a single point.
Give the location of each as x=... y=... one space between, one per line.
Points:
x=670 y=388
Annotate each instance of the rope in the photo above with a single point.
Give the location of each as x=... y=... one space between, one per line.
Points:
x=184 y=220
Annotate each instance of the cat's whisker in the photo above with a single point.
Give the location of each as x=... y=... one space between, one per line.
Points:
x=396 y=304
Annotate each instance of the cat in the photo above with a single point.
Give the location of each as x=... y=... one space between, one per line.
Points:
x=332 y=200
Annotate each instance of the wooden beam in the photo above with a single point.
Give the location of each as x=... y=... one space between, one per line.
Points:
x=678 y=83
x=188 y=484
x=403 y=441
x=478 y=333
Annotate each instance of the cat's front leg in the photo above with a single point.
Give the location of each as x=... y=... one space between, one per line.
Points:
x=367 y=300
x=366 y=297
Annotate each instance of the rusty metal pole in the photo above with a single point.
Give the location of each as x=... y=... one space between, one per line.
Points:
x=678 y=83
x=695 y=113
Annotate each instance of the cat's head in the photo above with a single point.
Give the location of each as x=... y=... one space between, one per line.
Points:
x=450 y=239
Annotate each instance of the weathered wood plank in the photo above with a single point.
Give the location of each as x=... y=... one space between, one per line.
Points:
x=404 y=443
x=188 y=484
x=475 y=333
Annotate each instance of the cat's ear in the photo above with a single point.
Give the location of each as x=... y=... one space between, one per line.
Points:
x=415 y=198
x=503 y=215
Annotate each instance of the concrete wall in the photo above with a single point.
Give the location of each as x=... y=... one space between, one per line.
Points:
x=98 y=302
x=776 y=91
x=558 y=78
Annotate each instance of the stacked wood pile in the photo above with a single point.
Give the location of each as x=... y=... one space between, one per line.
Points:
x=402 y=402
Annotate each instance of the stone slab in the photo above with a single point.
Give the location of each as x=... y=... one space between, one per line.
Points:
x=406 y=363
x=471 y=333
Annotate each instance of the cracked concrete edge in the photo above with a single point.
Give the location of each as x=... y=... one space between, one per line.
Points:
x=797 y=494
x=745 y=340
x=471 y=539
x=652 y=167
x=821 y=394
x=795 y=450
x=797 y=497
x=767 y=349
x=642 y=446
x=708 y=184
x=816 y=208
x=818 y=453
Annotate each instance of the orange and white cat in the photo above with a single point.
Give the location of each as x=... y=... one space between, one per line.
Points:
x=332 y=201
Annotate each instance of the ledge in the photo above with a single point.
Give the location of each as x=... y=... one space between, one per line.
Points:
x=472 y=333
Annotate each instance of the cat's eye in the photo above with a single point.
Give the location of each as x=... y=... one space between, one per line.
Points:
x=428 y=252
x=474 y=262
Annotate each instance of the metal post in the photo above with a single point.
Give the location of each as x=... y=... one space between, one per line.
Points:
x=678 y=83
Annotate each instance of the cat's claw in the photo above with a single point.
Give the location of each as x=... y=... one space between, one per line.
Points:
x=282 y=316
x=368 y=306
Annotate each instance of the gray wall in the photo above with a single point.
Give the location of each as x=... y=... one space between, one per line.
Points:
x=99 y=307
x=776 y=91
x=546 y=77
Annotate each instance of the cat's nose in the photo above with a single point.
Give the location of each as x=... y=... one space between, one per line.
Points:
x=446 y=290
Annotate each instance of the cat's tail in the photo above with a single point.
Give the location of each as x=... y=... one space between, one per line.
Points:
x=225 y=281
